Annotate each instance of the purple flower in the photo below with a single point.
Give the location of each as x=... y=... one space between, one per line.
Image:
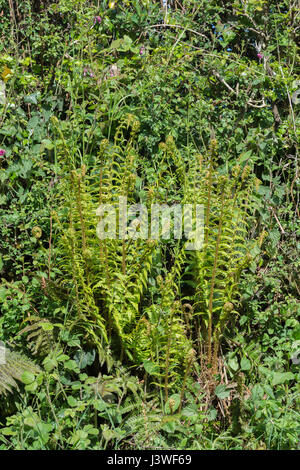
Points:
x=114 y=71
x=2 y=152
x=142 y=50
x=260 y=56
x=97 y=19
x=88 y=71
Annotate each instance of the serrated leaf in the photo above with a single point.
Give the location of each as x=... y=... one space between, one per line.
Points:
x=221 y=392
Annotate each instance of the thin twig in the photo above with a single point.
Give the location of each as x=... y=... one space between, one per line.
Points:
x=178 y=26
x=252 y=103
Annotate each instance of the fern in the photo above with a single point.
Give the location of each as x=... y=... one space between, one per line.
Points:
x=217 y=267
x=108 y=279
x=40 y=338
x=14 y=367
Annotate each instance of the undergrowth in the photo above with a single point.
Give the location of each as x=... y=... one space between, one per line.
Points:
x=143 y=340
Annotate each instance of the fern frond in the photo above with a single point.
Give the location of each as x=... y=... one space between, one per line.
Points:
x=12 y=370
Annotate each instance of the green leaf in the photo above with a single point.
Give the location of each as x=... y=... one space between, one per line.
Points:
x=245 y=364
x=169 y=426
x=50 y=364
x=31 y=99
x=27 y=377
x=282 y=377
x=71 y=365
x=175 y=401
x=233 y=364
x=151 y=368
x=221 y=391
x=191 y=411
x=72 y=401
x=47 y=326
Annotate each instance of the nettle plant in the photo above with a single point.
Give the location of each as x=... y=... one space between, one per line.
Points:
x=166 y=321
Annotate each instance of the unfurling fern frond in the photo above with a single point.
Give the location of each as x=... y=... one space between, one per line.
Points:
x=106 y=277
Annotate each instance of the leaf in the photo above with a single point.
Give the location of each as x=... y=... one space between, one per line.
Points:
x=49 y=364
x=173 y=400
x=31 y=99
x=151 y=368
x=221 y=392
x=190 y=411
x=33 y=123
x=2 y=93
x=47 y=326
x=212 y=414
x=27 y=377
x=46 y=144
x=245 y=364
x=72 y=401
x=233 y=364
x=169 y=426
x=6 y=73
x=282 y=377
x=71 y=365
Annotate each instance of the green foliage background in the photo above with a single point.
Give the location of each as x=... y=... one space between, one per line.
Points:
x=143 y=345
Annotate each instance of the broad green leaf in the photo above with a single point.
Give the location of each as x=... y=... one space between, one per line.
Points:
x=282 y=377
x=221 y=391
x=245 y=364
x=28 y=377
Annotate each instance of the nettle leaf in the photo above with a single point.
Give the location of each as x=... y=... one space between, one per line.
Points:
x=33 y=123
x=191 y=411
x=84 y=359
x=221 y=391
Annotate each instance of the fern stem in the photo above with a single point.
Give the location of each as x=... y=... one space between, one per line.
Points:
x=168 y=356
x=210 y=305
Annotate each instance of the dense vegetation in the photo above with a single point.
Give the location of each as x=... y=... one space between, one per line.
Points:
x=140 y=343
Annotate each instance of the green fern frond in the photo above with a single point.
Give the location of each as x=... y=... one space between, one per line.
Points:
x=12 y=370
x=40 y=339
